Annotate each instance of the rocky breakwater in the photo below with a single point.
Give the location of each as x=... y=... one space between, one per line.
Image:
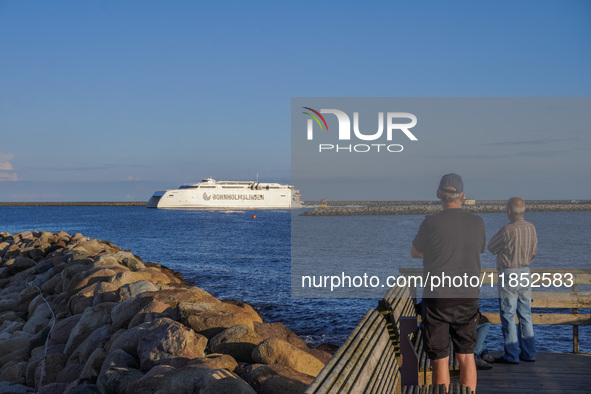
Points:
x=432 y=209
x=80 y=315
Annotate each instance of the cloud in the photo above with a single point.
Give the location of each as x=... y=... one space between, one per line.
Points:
x=8 y=176
x=133 y=179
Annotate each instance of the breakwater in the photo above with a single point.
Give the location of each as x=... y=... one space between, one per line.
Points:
x=80 y=315
x=418 y=208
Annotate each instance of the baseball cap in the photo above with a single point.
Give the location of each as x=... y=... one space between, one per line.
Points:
x=451 y=183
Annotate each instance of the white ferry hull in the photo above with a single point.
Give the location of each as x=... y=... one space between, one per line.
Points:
x=215 y=196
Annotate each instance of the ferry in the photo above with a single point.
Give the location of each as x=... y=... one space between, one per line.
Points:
x=212 y=194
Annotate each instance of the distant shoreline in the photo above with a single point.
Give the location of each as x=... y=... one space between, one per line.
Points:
x=75 y=204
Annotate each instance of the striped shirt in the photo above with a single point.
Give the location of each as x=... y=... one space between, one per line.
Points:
x=515 y=244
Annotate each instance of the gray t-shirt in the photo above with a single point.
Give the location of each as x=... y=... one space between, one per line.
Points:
x=451 y=242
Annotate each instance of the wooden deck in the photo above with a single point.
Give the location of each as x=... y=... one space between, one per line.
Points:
x=551 y=373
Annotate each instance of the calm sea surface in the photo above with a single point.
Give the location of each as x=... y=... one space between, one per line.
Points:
x=233 y=255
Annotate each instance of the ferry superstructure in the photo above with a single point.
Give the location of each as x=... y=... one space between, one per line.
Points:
x=213 y=194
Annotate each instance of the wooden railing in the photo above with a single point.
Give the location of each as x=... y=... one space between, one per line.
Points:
x=570 y=299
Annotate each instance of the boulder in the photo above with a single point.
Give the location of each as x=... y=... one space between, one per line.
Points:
x=70 y=373
x=215 y=361
x=169 y=342
x=7 y=387
x=153 y=311
x=53 y=388
x=116 y=380
x=127 y=277
x=284 y=385
x=173 y=297
x=128 y=340
x=123 y=312
x=50 y=286
x=10 y=327
x=238 y=341
x=222 y=381
x=22 y=263
x=118 y=359
x=95 y=340
x=257 y=374
x=93 y=275
x=8 y=305
x=12 y=342
x=91 y=246
x=105 y=260
x=194 y=379
x=278 y=351
x=82 y=388
x=93 y=365
x=62 y=330
x=51 y=368
x=15 y=373
x=209 y=319
x=92 y=318
x=279 y=331
x=130 y=290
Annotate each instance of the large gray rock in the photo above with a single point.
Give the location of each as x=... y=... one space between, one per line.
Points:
x=169 y=342
x=92 y=318
x=279 y=331
x=116 y=380
x=53 y=388
x=62 y=330
x=70 y=373
x=95 y=340
x=128 y=340
x=51 y=368
x=7 y=387
x=215 y=361
x=118 y=359
x=284 y=385
x=238 y=341
x=123 y=312
x=277 y=351
x=289 y=381
x=39 y=320
x=131 y=290
x=15 y=373
x=93 y=365
x=12 y=342
x=221 y=381
x=209 y=319
x=152 y=312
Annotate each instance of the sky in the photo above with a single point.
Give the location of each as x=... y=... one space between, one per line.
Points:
x=110 y=101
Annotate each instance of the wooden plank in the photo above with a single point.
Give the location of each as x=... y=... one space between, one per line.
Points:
x=561 y=299
x=548 y=318
x=387 y=374
x=382 y=370
x=352 y=357
x=329 y=369
x=355 y=374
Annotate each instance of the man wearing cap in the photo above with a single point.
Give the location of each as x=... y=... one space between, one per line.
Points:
x=515 y=246
x=450 y=243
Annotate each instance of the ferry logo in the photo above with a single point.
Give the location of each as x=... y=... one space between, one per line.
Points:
x=206 y=197
x=393 y=122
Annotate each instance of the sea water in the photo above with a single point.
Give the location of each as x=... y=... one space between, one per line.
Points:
x=245 y=255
